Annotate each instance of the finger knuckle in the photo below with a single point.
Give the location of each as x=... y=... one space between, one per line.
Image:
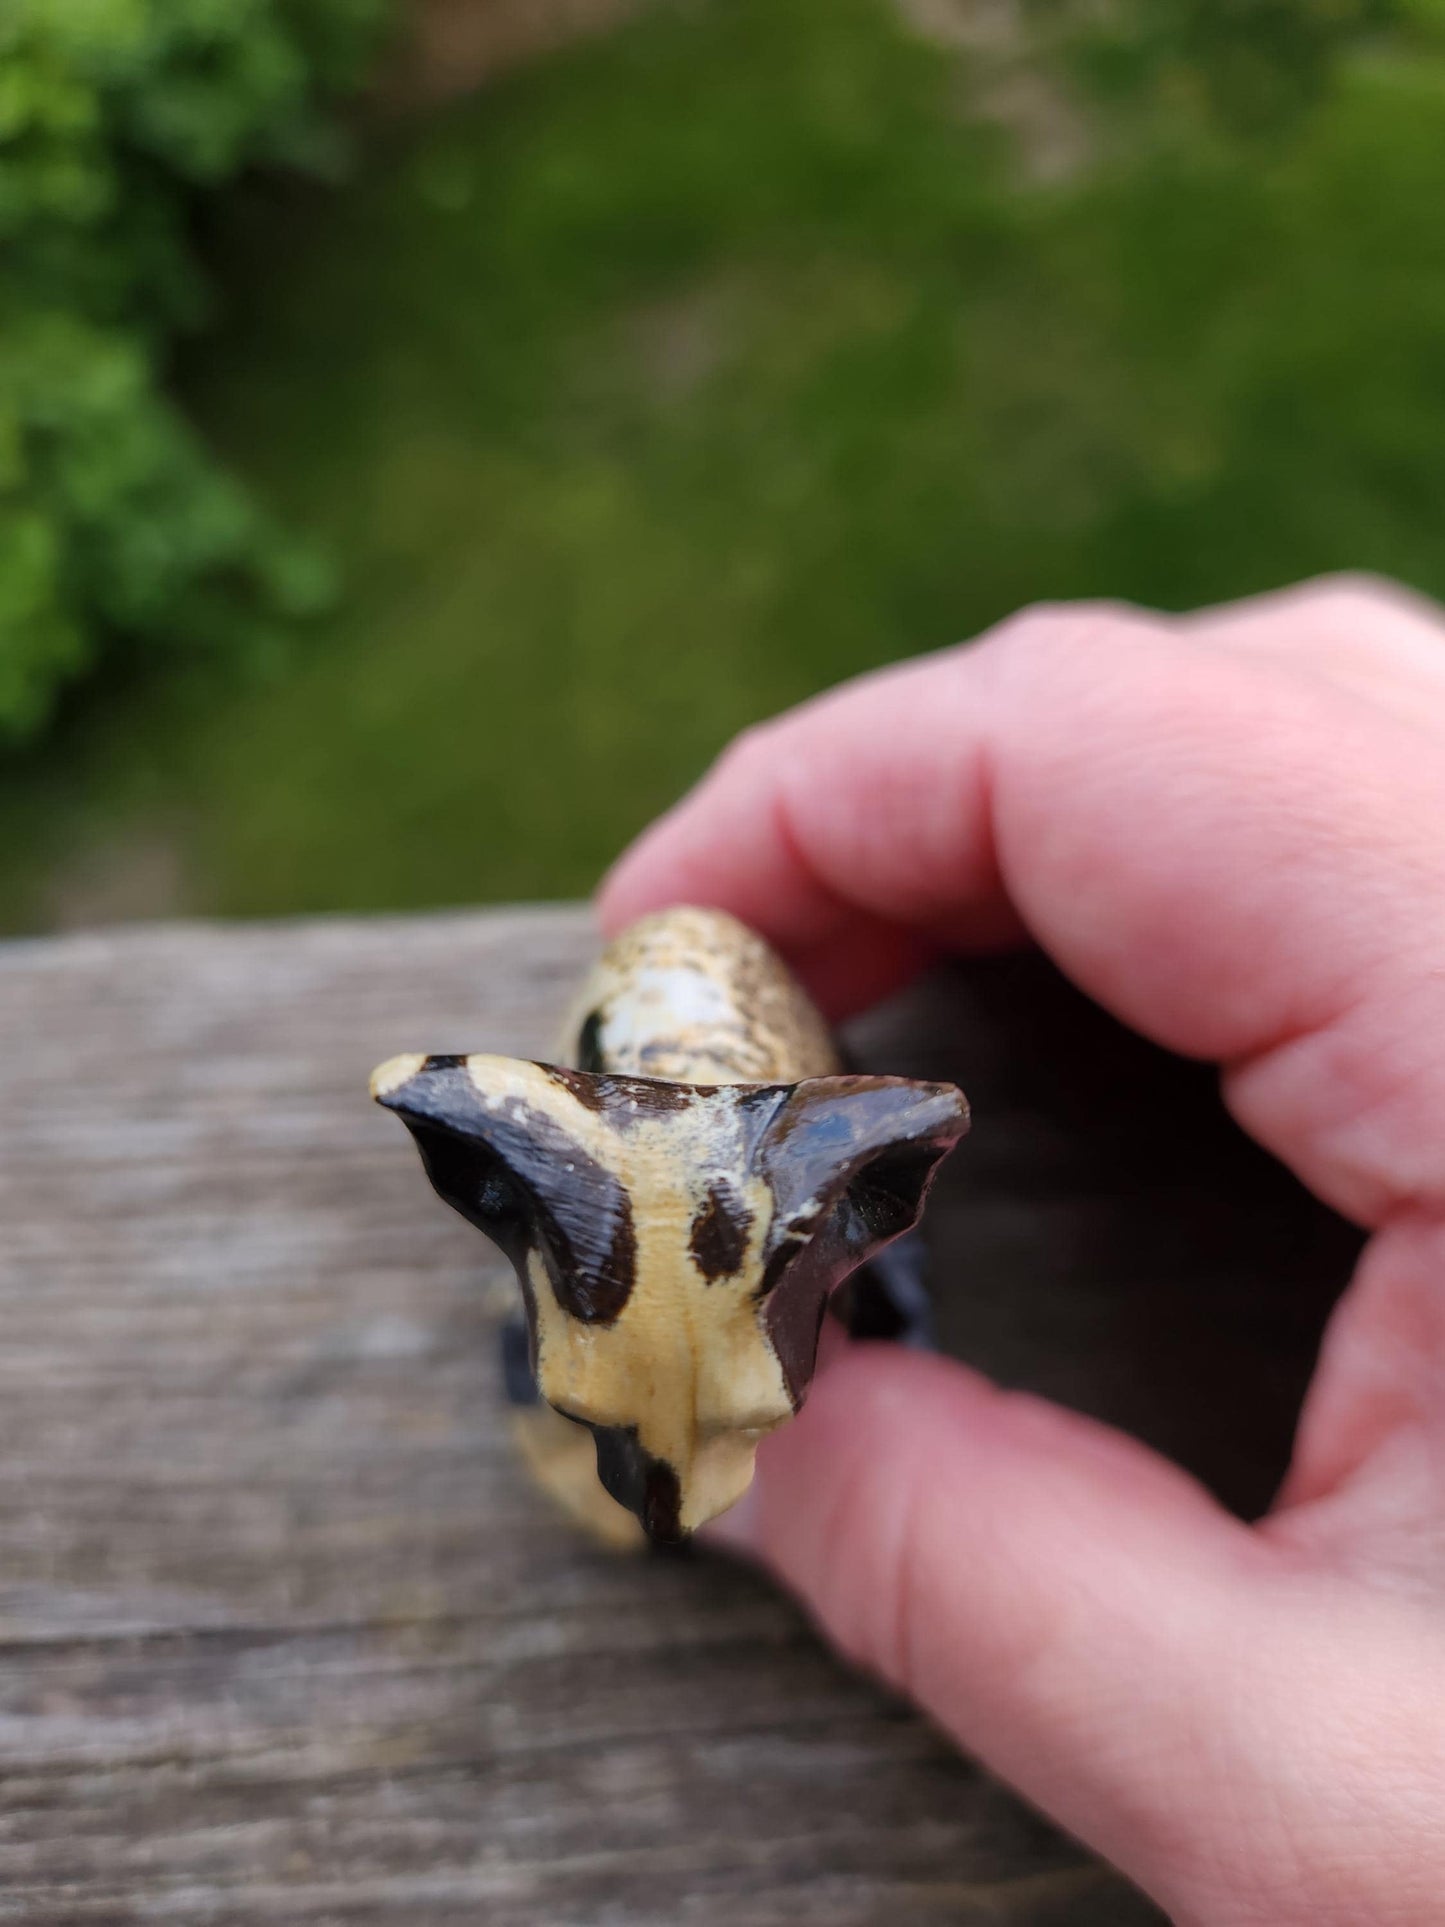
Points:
x=1054 y=632
x=1356 y=601
x=750 y=750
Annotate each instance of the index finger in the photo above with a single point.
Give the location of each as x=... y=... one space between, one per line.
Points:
x=1243 y=862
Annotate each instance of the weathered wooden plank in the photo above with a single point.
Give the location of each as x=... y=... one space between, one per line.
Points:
x=282 y=1631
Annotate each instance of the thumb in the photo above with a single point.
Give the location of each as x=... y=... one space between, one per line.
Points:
x=1084 y=1617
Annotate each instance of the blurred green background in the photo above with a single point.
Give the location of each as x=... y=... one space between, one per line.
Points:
x=685 y=371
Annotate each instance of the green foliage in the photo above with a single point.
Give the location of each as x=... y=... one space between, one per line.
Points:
x=115 y=522
x=1244 y=66
x=699 y=368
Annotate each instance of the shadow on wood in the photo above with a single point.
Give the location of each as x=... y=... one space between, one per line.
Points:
x=1108 y=1236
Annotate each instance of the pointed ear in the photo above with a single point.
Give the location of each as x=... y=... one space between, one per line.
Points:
x=849 y=1161
x=464 y=1094
x=503 y=1142
x=872 y=1142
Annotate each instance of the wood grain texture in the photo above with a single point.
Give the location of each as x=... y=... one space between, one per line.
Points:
x=283 y=1634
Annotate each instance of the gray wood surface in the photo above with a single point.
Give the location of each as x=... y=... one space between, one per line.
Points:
x=283 y=1634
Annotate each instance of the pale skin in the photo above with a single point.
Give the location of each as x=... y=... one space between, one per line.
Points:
x=1229 y=829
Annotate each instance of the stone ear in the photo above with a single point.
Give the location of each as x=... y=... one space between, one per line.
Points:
x=849 y=1161
x=874 y=1141
x=502 y=1140
x=481 y=1159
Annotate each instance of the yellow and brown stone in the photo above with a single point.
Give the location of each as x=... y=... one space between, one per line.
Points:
x=678 y=1200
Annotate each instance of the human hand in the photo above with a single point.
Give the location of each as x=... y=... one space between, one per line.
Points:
x=1229 y=829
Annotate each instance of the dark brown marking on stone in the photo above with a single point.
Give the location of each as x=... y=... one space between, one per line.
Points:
x=589 y=1090
x=621 y=1098
x=777 y=1264
x=613 y=1283
x=589 y=1043
x=636 y=1098
x=793 y=1312
x=849 y=1161
x=830 y=1130
x=719 y=1238
x=889 y=1192
x=514 y=1172
x=648 y=1487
